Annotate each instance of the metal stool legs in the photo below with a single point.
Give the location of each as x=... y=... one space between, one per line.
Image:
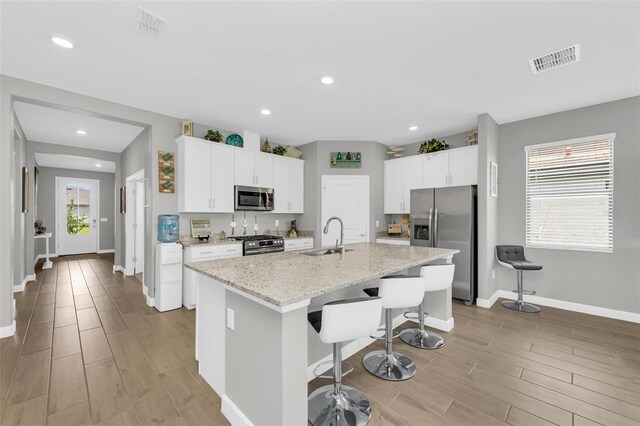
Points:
x=337 y=405
x=520 y=305
x=418 y=337
x=387 y=364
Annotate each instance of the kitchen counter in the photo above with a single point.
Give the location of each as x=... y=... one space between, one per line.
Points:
x=189 y=242
x=276 y=278
x=254 y=345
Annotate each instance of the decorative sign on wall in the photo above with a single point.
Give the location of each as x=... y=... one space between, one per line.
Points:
x=166 y=172
x=346 y=160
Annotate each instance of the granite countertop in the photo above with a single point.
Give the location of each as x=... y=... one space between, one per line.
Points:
x=289 y=277
x=189 y=242
x=394 y=237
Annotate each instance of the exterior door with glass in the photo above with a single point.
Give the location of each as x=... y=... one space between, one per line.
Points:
x=77 y=215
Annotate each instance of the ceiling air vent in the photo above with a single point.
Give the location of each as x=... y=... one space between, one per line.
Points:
x=555 y=59
x=149 y=23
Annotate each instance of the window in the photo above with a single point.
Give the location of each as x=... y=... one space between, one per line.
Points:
x=569 y=194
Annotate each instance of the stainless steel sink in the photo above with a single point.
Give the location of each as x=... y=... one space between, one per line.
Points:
x=324 y=252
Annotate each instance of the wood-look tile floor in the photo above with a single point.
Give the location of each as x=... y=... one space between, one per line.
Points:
x=88 y=350
x=499 y=366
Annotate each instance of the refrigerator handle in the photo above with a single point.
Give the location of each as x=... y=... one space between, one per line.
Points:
x=435 y=229
x=431 y=227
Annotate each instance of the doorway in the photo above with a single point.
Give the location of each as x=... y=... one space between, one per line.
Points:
x=134 y=224
x=77 y=207
x=348 y=198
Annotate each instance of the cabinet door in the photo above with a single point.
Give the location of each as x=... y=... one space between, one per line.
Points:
x=194 y=184
x=393 y=186
x=263 y=169
x=281 y=184
x=463 y=166
x=222 y=179
x=296 y=186
x=244 y=174
x=435 y=168
x=412 y=180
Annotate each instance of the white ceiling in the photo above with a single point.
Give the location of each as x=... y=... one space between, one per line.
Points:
x=52 y=125
x=62 y=161
x=436 y=65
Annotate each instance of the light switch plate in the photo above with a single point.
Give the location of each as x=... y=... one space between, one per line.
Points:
x=230 y=319
x=104 y=219
x=377 y=224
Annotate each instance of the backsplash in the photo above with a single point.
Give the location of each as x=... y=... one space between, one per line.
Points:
x=221 y=222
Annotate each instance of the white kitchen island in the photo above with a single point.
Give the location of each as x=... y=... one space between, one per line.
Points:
x=253 y=342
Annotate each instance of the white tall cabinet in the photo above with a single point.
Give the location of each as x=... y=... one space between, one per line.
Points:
x=400 y=177
x=205 y=174
x=288 y=185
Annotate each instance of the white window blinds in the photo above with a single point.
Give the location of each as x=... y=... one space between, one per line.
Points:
x=569 y=194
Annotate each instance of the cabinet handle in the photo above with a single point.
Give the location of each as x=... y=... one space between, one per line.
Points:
x=206 y=252
x=209 y=203
x=213 y=204
x=450 y=179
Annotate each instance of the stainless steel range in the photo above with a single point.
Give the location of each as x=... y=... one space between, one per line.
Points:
x=260 y=244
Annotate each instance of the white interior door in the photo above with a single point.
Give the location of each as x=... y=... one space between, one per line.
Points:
x=348 y=198
x=77 y=215
x=139 y=228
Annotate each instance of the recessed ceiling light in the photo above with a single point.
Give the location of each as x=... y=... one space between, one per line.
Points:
x=413 y=128
x=98 y=165
x=265 y=112
x=81 y=132
x=62 y=42
x=327 y=79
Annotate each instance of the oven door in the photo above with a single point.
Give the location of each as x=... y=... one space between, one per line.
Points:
x=253 y=198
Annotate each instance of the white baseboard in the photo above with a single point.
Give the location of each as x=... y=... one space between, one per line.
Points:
x=151 y=301
x=439 y=324
x=106 y=251
x=571 y=306
x=20 y=287
x=118 y=268
x=233 y=413
x=43 y=256
x=8 y=330
x=487 y=303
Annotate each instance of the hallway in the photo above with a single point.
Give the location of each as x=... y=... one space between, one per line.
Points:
x=88 y=350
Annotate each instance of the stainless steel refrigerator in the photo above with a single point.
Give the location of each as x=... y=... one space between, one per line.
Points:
x=446 y=218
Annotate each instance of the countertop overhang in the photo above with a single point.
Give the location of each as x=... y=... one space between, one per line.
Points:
x=286 y=278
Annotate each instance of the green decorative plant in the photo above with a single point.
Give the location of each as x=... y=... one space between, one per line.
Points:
x=214 y=136
x=432 y=145
x=279 y=150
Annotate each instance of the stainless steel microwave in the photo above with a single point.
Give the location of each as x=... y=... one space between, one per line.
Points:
x=253 y=198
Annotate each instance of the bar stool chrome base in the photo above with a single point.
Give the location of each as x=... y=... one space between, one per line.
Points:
x=520 y=306
x=349 y=408
x=392 y=366
x=421 y=339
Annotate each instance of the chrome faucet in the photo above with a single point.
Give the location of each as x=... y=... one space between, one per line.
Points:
x=339 y=246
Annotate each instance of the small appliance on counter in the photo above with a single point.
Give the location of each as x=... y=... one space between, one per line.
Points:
x=394 y=229
x=260 y=244
x=168 y=228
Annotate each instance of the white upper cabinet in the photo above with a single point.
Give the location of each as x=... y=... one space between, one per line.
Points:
x=205 y=176
x=253 y=169
x=454 y=167
x=412 y=180
x=288 y=185
x=393 y=186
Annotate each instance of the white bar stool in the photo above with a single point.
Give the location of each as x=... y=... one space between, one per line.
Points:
x=340 y=321
x=399 y=291
x=438 y=277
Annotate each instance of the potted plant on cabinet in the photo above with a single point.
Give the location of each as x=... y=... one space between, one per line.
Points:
x=214 y=136
x=432 y=145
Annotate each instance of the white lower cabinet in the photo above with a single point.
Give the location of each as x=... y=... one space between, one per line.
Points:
x=203 y=252
x=293 y=244
x=168 y=277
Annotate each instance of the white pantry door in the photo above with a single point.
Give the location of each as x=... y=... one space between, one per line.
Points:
x=77 y=215
x=348 y=198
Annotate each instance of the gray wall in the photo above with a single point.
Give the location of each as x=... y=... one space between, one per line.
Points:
x=220 y=222
x=46 y=204
x=21 y=231
x=598 y=279
x=316 y=155
x=487 y=206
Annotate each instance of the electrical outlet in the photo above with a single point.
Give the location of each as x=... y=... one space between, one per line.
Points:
x=230 y=319
x=377 y=224
x=493 y=274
